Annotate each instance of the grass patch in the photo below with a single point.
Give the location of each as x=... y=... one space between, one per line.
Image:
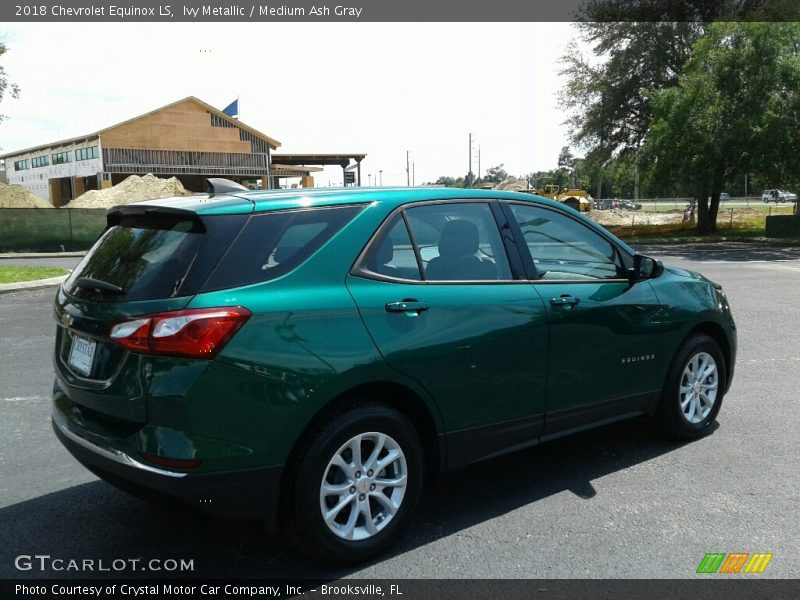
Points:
x=739 y=224
x=16 y=274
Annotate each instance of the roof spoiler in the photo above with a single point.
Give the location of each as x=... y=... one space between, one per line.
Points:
x=116 y=214
x=218 y=185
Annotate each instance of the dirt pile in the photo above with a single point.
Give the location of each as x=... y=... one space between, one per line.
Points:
x=17 y=196
x=132 y=189
x=638 y=217
x=512 y=184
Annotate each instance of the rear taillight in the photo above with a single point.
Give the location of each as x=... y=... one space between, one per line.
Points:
x=194 y=333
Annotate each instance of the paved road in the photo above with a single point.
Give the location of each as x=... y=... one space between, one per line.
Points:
x=616 y=502
x=52 y=261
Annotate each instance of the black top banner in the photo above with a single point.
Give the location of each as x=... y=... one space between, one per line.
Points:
x=397 y=10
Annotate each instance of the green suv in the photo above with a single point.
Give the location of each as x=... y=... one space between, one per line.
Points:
x=309 y=358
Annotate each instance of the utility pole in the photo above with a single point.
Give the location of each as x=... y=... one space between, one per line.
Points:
x=380 y=172
x=408 y=174
x=479 y=161
x=470 y=176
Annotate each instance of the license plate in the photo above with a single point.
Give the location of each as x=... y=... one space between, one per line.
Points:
x=81 y=355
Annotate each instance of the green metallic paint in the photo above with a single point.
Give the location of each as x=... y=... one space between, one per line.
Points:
x=482 y=358
x=123 y=393
x=592 y=341
x=690 y=301
x=473 y=341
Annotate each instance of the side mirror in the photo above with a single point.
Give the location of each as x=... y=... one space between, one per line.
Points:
x=644 y=267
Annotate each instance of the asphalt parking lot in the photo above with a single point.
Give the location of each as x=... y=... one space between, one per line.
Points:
x=615 y=502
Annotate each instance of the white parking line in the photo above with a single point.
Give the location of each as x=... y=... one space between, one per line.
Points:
x=769 y=360
x=23 y=398
x=780 y=267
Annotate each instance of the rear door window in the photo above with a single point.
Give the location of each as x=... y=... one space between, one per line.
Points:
x=272 y=244
x=458 y=242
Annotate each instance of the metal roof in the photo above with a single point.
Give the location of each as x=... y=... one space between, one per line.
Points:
x=339 y=158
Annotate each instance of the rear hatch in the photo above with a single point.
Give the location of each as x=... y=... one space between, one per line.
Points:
x=152 y=258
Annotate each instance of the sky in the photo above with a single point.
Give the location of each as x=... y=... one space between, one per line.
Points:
x=375 y=88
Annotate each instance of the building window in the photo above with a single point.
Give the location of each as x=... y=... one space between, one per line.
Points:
x=220 y=122
x=39 y=161
x=86 y=153
x=22 y=165
x=61 y=158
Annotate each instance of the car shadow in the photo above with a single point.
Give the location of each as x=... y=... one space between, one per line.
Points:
x=95 y=521
x=723 y=251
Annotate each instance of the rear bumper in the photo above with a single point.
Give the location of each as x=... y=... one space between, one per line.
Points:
x=242 y=494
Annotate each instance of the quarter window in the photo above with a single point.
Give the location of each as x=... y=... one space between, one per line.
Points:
x=274 y=243
x=392 y=254
x=564 y=249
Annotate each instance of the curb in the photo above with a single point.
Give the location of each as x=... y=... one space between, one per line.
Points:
x=42 y=254
x=24 y=286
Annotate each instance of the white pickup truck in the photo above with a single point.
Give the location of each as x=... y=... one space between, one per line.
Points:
x=778 y=196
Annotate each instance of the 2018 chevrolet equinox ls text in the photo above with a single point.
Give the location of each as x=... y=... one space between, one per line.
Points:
x=309 y=357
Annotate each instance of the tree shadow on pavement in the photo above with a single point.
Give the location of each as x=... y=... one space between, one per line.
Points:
x=723 y=251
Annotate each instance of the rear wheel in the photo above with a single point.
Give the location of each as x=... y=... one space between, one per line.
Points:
x=694 y=388
x=354 y=488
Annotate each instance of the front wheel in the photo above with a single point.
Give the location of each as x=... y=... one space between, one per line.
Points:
x=692 y=395
x=354 y=488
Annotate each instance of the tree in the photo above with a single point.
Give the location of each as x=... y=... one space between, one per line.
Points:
x=448 y=181
x=5 y=86
x=495 y=174
x=607 y=102
x=735 y=110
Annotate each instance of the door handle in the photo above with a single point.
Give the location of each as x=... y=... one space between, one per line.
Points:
x=406 y=306
x=565 y=300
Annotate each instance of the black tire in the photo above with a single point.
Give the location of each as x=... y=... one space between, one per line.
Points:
x=305 y=525
x=671 y=418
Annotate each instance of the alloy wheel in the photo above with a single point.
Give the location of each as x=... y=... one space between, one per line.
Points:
x=363 y=486
x=699 y=386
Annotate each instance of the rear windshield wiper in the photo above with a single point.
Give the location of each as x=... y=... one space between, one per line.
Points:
x=98 y=285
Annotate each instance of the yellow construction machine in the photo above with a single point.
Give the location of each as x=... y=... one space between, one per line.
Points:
x=575 y=198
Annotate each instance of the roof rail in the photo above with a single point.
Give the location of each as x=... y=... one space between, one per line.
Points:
x=218 y=185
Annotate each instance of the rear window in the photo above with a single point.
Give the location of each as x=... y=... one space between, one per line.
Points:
x=151 y=257
x=274 y=243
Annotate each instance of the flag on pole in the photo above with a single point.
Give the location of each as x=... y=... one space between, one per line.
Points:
x=232 y=110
